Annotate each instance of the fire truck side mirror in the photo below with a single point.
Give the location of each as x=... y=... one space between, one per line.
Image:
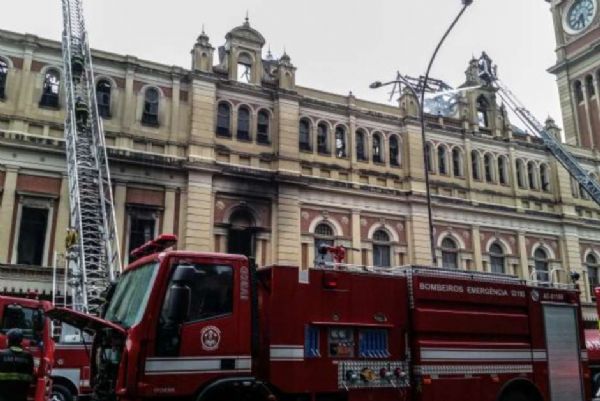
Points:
x=178 y=304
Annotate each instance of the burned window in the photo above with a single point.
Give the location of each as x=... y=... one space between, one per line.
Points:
x=51 y=89
x=589 y=86
x=497 y=258
x=32 y=236
x=457 y=162
x=340 y=142
x=103 y=91
x=304 y=139
x=224 y=119
x=502 y=170
x=442 y=160
x=262 y=127
x=394 y=151
x=578 y=92
x=151 y=103
x=377 y=148
x=449 y=254
x=142 y=227
x=3 y=77
x=324 y=235
x=243 y=124
x=541 y=264
x=322 y=139
x=361 y=153
x=488 y=167
x=381 y=249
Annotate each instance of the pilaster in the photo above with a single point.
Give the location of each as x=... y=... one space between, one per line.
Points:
x=62 y=218
x=199 y=213
x=7 y=211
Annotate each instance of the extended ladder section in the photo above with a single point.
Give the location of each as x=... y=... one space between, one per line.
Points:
x=93 y=249
x=591 y=186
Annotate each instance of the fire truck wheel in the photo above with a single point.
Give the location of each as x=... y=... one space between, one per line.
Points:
x=61 y=393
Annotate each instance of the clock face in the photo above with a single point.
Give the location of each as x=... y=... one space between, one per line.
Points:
x=580 y=15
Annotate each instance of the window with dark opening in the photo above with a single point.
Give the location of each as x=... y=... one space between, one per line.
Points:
x=103 y=89
x=521 y=173
x=243 y=127
x=142 y=228
x=442 y=161
x=150 y=112
x=578 y=92
x=589 y=86
x=304 y=140
x=488 y=167
x=3 y=78
x=475 y=165
x=340 y=142
x=531 y=175
x=322 y=140
x=32 y=236
x=323 y=236
x=497 y=258
x=428 y=158
x=360 y=145
x=223 y=119
x=449 y=254
x=394 y=151
x=592 y=265
x=51 y=89
x=482 y=112
x=502 y=173
x=545 y=177
x=262 y=127
x=381 y=249
x=377 y=149
x=541 y=264
x=457 y=162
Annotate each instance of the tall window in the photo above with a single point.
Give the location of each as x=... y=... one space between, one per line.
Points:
x=541 y=264
x=394 y=151
x=381 y=249
x=304 y=139
x=150 y=113
x=3 y=75
x=578 y=92
x=142 y=227
x=243 y=127
x=51 y=89
x=475 y=165
x=360 y=145
x=531 y=175
x=457 y=162
x=428 y=158
x=224 y=119
x=340 y=142
x=103 y=89
x=592 y=265
x=502 y=173
x=32 y=235
x=262 y=127
x=377 y=148
x=589 y=86
x=521 y=174
x=497 y=258
x=482 y=112
x=545 y=177
x=442 y=162
x=322 y=140
x=488 y=167
x=449 y=254
x=323 y=236
x=244 y=67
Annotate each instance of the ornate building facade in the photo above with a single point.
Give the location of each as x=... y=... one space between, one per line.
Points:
x=233 y=156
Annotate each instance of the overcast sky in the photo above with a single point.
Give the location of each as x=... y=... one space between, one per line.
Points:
x=337 y=45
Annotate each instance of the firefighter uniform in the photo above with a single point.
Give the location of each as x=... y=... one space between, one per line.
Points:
x=16 y=369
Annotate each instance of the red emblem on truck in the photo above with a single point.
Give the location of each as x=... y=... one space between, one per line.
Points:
x=211 y=337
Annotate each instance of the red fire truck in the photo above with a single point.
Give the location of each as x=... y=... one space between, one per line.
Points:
x=69 y=357
x=206 y=326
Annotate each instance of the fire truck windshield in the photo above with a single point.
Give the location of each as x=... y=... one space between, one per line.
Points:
x=131 y=295
x=16 y=316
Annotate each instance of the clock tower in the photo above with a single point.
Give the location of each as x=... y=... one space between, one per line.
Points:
x=577 y=68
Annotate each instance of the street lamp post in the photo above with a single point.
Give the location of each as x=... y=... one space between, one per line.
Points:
x=423 y=87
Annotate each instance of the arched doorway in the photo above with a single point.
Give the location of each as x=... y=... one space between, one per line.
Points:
x=240 y=236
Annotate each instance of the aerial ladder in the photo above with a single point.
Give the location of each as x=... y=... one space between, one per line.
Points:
x=93 y=255
x=488 y=73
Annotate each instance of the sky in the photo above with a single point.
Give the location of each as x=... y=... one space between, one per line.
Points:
x=336 y=45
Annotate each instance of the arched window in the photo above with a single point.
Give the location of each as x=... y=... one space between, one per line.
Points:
x=262 y=127
x=589 y=86
x=51 y=89
x=243 y=123
x=394 y=151
x=545 y=177
x=442 y=160
x=457 y=165
x=521 y=177
x=592 y=266
x=381 y=249
x=578 y=92
x=324 y=235
x=3 y=76
x=502 y=170
x=304 y=141
x=488 y=167
x=482 y=112
x=244 y=67
x=340 y=142
x=150 y=112
x=541 y=264
x=475 y=165
x=322 y=139
x=428 y=158
x=103 y=89
x=449 y=254
x=531 y=175
x=224 y=119
x=361 y=153
x=241 y=233
x=377 y=148
x=497 y=258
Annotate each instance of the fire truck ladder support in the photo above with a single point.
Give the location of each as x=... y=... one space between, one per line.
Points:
x=591 y=186
x=92 y=242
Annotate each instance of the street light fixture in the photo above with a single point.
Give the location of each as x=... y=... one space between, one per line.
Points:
x=423 y=87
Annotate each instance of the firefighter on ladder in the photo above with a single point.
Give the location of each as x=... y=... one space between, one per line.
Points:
x=16 y=369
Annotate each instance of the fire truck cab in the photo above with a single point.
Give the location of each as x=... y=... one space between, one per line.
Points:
x=206 y=326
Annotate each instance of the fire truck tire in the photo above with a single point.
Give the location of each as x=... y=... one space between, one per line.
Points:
x=61 y=393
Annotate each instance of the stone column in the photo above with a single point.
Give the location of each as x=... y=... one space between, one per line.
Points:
x=420 y=240
x=129 y=102
x=63 y=216
x=287 y=115
x=169 y=213
x=523 y=257
x=120 y=197
x=476 y=243
x=199 y=213
x=288 y=226
x=203 y=120
x=6 y=211
x=572 y=256
x=175 y=102
x=356 y=237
